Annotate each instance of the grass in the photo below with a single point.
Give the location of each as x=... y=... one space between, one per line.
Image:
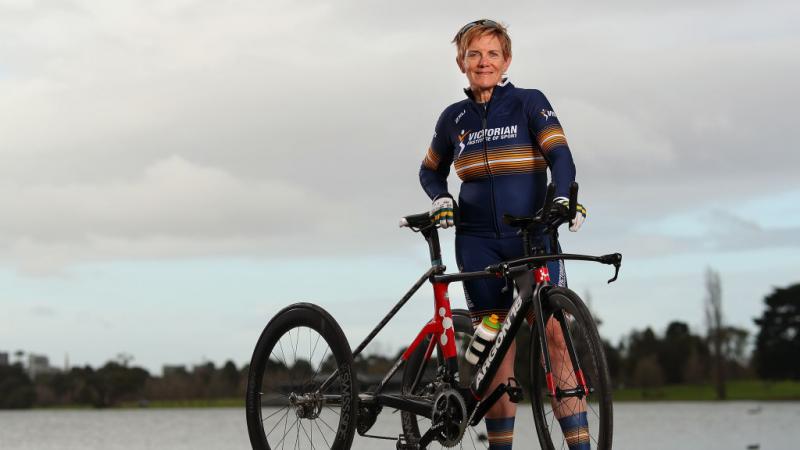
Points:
x=736 y=390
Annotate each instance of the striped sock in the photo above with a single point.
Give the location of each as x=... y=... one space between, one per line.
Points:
x=501 y=433
x=576 y=431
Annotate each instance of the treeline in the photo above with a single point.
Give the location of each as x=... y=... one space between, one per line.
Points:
x=645 y=359
x=116 y=383
x=648 y=359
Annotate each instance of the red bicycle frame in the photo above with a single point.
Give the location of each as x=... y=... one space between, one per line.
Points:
x=441 y=329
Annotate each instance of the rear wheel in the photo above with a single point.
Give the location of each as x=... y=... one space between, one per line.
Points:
x=289 y=404
x=591 y=358
x=413 y=425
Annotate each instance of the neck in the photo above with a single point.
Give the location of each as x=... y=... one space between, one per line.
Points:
x=482 y=95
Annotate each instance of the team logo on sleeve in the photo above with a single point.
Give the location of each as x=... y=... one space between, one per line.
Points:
x=547 y=113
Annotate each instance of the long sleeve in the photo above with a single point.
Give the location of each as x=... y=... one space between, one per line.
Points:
x=549 y=135
x=436 y=165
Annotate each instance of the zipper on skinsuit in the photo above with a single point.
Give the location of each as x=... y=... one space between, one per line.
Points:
x=489 y=168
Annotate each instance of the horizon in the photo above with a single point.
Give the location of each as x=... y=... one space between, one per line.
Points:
x=174 y=174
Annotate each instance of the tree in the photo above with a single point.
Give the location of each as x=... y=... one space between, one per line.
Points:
x=648 y=375
x=639 y=345
x=230 y=374
x=713 y=308
x=16 y=389
x=778 y=342
x=675 y=351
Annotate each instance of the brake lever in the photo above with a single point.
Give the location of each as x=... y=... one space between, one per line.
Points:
x=616 y=272
x=507 y=287
x=616 y=260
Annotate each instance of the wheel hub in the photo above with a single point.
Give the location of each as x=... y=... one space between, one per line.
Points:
x=306 y=406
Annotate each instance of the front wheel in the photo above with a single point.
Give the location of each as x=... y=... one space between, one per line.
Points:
x=590 y=356
x=300 y=389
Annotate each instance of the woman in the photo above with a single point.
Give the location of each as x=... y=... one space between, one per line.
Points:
x=501 y=140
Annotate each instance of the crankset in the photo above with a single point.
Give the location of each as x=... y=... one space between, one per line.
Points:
x=448 y=419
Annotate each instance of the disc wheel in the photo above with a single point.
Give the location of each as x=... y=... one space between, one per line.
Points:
x=289 y=404
x=413 y=425
x=591 y=358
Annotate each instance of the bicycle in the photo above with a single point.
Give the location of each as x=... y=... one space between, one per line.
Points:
x=290 y=398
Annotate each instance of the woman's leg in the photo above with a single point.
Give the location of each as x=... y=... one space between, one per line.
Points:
x=570 y=411
x=500 y=417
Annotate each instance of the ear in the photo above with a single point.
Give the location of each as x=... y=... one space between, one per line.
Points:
x=460 y=64
x=506 y=64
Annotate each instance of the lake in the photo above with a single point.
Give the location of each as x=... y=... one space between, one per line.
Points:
x=674 y=425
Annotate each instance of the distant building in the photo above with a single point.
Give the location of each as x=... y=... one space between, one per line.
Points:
x=39 y=365
x=168 y=370
x=3 y=359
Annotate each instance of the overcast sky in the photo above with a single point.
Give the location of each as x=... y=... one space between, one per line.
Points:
x=174 y=172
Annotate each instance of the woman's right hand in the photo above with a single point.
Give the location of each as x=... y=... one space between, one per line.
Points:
x=442 y=211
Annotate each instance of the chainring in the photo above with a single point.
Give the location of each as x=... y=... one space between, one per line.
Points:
x=450 y=415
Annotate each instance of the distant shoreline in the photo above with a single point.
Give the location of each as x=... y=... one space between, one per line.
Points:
x=745 y=390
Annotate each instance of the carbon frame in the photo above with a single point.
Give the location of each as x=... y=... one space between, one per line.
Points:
x=532 y=280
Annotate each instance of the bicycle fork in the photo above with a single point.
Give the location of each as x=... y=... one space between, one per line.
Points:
x=542 y=278
x=532 y=288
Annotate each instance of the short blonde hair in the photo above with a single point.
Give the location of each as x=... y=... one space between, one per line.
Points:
x=480 y=28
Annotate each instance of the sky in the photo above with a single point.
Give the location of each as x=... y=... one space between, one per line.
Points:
x=172 y=173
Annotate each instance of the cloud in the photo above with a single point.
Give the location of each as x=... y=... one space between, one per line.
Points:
x=190 y=128
x=43 y=311
x=175 y=207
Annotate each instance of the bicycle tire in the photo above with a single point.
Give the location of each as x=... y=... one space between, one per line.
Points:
x=411 y=422
x=289 y=358
x=591 y=357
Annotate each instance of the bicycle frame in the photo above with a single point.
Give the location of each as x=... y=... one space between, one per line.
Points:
x=531 y=277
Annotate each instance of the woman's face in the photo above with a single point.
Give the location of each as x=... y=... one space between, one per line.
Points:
x=484 y=63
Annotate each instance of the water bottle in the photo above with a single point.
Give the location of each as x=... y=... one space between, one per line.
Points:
x=483 y=338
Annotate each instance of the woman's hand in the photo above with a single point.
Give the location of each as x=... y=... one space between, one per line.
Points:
x=580 y=212
x=442 y=211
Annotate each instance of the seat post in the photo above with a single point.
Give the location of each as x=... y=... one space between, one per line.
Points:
x=432 y=237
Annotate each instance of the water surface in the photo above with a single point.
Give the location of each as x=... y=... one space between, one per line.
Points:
x=678 y=425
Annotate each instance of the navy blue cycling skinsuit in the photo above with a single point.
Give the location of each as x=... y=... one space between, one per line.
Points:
x=501 y=151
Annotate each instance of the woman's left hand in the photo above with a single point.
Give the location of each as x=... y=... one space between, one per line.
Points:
x=580 y=212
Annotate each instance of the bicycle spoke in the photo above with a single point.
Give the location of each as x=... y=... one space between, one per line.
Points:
x=285 y=362
x=297 y=435
x=314 y=350
x=322 y=362
x=310 y=441
x=276 y=412
x=321 y=433
x=296 y=343
x=282 y=419
x=326 y=424
x=286 y=432
x=471 y=438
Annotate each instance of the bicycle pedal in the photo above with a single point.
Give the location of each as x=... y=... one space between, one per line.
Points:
x=404 y=443
x=514 y=391
x=515 y=394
